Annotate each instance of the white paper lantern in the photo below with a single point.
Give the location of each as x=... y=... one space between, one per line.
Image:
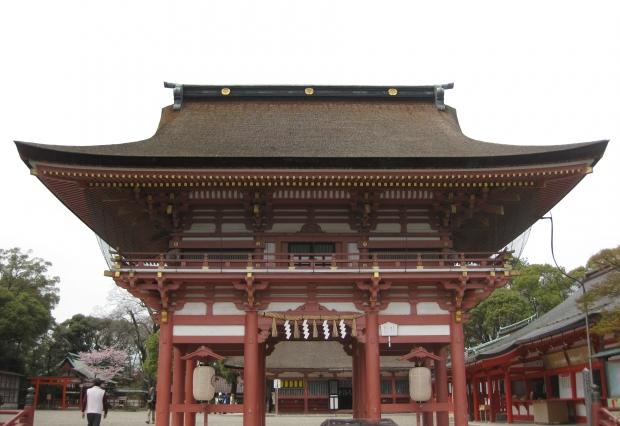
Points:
x=204 y=383
x=420 y=384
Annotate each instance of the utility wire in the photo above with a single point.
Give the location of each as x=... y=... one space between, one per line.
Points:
x=585 y=305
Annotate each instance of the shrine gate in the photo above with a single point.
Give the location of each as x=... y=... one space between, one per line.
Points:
x=257 y=214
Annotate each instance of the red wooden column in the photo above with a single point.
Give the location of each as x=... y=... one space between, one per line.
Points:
x=63 y=402
x=36 y=394
x=190 y=417
x=475 y=399
x=261 y=383
x=361 y=394
x=251 y=414
x=164 y=367
x=441 y=385
x=459 y=384
x=305 y=394
x=393 y=386
x=491 y=412
x=178 y=378
x=428 y=416
x=373 y=367
x=355 y=378
x=508 y=392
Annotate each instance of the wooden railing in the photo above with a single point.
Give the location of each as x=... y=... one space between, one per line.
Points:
x=23 y=417
x=312 y=262
x=606 y=418
x=20 y=418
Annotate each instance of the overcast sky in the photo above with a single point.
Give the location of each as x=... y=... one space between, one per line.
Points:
x=91 y=72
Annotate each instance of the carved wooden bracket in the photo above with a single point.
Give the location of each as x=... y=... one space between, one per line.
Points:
x=373 y=289
x=250 y=287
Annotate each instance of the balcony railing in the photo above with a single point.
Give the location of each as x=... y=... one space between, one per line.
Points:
x=312 y=262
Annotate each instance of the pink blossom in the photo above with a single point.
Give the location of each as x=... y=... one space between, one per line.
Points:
x=106 y=363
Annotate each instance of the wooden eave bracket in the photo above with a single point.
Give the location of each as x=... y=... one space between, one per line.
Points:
x=420 y=353
x=202 y=353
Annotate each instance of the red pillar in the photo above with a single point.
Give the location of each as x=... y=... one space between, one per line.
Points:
x=36 y=394
x=190 y=417
x=393 y=386
x=428 y=416
x=63 y=403
x=261 y=383
x=491 y=412
x=373 y=367
x=475 y=399
x=178 y=377
x=459 y=384
x=305 y=394
x=508 y=392
x=441 y=385
x=363 y=383
x=251 y=412
x=164 y=367
x=603 y=376
x=355 y=378
x=361 y=394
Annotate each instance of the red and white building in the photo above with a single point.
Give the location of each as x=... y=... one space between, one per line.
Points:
x=252 y=207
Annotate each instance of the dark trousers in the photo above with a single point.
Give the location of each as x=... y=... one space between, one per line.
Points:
x=94 y=419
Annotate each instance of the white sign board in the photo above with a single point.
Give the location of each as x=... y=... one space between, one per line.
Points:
x=277 y=383
x=389 y=329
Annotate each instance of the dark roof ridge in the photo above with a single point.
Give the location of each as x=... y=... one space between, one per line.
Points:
x=184 y=92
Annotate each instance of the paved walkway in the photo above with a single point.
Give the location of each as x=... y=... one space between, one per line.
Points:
x=122 y=418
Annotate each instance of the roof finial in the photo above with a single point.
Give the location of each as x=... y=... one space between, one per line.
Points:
x=439 y=94
x=177 y=92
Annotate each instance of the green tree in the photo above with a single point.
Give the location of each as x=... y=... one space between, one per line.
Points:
x=152 y=351
x=504 y=307
x=80 y=333
x=609 y=289
x=543 y=286
x=27 y=296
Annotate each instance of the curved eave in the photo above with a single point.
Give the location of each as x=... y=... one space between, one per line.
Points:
x=32 y=152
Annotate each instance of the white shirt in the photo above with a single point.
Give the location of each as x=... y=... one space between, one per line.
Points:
x=94 y=400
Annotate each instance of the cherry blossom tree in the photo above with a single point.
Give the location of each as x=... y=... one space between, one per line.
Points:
x=105 y=364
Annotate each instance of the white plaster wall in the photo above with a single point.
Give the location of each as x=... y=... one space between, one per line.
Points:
x=423 y=330
x=397 y=308
x=208 y=330
x=201 y=227
x=226 y=308
x=282 y=306
x=387 y=227
x=193 y=308
x=340 y=306
x=430 y=308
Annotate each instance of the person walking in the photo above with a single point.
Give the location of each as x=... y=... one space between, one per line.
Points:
x=94 y=403
x=151 y=400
